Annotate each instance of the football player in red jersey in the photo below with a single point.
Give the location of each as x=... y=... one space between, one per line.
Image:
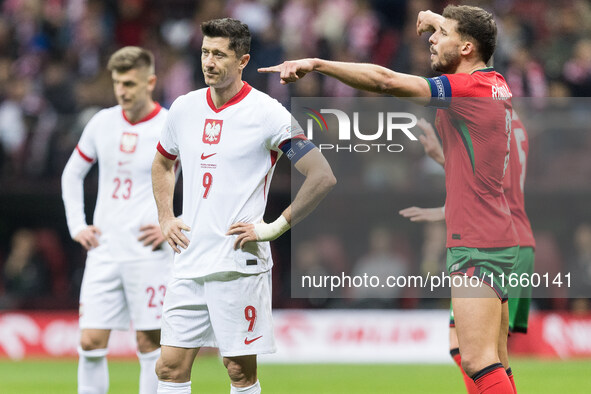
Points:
x=482 y=240
x=513 y=187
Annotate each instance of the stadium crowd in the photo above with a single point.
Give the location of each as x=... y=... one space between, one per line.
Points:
x=53 y=79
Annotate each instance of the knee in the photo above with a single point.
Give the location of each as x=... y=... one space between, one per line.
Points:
x=148 y=341
x=242 y=371
x=92 y=342
x=472 y=364
x=170 y=370
x=236 y=372
x=469 y=366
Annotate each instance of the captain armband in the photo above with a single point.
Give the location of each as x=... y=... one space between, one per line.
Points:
x=296 y=147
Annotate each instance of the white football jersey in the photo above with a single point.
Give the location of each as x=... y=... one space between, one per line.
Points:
x=228 y=157
x=125 y=201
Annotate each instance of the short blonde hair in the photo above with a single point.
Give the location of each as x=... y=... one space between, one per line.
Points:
x=131 y=57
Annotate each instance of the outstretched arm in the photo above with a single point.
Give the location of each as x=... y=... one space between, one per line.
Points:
x=363 y=76
x=319 y=181
x=163 y=180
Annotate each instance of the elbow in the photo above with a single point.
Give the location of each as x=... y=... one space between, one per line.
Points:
x=328 y=181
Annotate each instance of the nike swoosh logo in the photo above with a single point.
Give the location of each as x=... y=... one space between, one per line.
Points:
x=249 y=341
x=203 y=156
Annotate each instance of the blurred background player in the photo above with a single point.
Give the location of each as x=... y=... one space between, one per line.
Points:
x=513 y=187
x=229 y=137
x=126 y=268
x=481 y=238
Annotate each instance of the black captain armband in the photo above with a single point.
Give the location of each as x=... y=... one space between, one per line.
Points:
x=296 y=147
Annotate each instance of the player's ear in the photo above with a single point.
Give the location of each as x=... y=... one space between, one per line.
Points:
x=152 y=82
x=467 y=48
x=244 y=59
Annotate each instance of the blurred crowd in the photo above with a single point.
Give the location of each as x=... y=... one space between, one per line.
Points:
x=53 y=79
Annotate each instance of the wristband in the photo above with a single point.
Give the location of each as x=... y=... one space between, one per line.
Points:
x=271 y=231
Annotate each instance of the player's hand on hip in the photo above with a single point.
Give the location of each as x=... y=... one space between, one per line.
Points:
x=172 y=232
x=245 y=232
x=151 y=234
x=290 y=71
x=416 y=214
x=88 y=237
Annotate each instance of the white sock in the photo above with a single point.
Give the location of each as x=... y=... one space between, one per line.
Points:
x=254 y=389
x=174 y=388
x=93 y=373
x=148 y=378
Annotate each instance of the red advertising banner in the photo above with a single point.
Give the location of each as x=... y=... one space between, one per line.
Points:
x=51 y=334
x=553 y=335
x=317 y=336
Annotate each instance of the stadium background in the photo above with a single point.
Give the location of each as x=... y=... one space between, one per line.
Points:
x=53 y=79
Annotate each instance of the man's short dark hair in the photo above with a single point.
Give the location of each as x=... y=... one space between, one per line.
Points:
x=233 y=29
x=131 y=57
x=476 y=23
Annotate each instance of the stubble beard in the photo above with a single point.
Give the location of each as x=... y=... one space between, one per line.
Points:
x=448 y=64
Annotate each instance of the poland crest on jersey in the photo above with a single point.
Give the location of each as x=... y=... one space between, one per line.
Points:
x=128 y=142
x=212 y=131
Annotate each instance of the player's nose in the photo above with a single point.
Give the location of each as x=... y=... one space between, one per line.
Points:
x=208 y=62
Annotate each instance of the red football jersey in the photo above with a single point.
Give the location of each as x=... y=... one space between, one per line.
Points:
x=514 y=181
x=475 y=129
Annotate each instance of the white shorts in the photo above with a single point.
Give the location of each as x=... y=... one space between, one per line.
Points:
x=229 y=310
x=113 y=293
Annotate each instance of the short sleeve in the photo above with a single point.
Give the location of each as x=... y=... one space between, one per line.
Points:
x=168 y=145
x=282 y=127
x=446 y=86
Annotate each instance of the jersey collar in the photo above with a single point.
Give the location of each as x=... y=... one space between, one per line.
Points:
x=238 y=97
x=484 y=70
x=151 y=115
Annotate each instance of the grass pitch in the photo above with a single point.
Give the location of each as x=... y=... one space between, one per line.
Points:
x=209 y=376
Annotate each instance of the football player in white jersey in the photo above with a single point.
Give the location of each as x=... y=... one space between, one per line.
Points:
x=128 y=262
x=228 y=137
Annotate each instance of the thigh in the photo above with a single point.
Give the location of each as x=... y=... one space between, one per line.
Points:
x=185 y=315
x=477 y=315
x=240 y=312
x=144 y=283
x=102 y=300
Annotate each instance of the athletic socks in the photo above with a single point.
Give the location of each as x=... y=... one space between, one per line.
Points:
x=510 y=375
x=254 y=389
x=185 y=388
x=468 y=382
x=93 y=373
x=493 y=380
x=174 y=388
x=148 y=378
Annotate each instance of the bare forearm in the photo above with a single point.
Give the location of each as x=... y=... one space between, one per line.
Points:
x=374 y=78
x=163 y=180
x=313 y=190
